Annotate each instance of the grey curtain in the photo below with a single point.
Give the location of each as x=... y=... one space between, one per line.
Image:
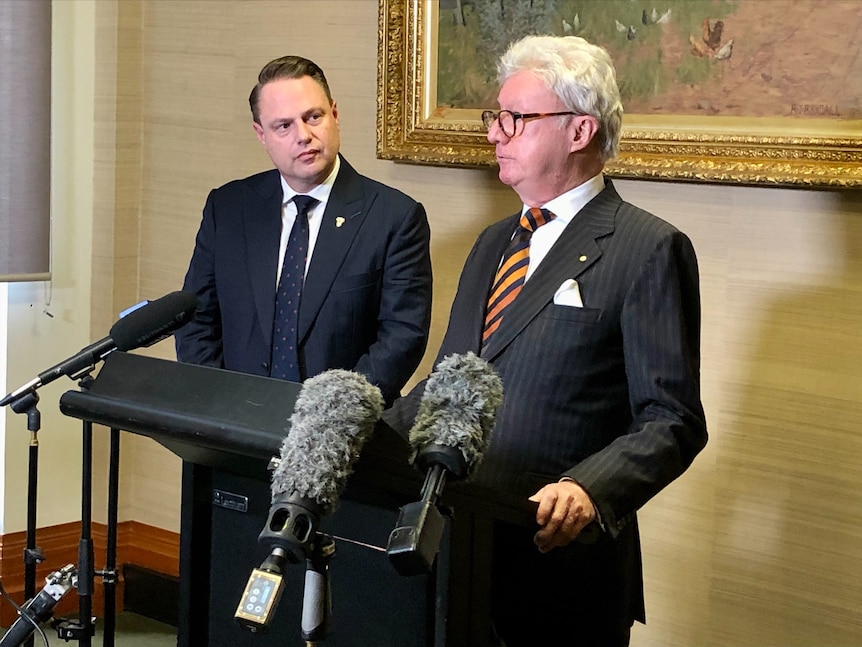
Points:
x=25 y=139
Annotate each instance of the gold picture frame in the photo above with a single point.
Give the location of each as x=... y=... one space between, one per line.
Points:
x=778 y=151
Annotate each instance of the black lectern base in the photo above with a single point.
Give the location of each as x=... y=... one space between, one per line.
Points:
x=372 y=604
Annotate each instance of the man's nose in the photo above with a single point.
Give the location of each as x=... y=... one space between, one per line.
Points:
x=303 y=131
x=495 y=133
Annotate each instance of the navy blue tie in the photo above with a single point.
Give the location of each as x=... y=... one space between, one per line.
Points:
x=285 y=356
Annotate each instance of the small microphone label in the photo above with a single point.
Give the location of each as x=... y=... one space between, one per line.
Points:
x=230 y=501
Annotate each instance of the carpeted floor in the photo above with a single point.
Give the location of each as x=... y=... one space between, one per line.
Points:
x=137 y=631
x=133 y=630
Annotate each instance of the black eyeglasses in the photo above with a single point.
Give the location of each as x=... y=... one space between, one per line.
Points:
x=508 y=120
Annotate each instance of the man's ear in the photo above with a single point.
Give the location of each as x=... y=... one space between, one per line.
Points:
x=583 y=131
x=258 y=130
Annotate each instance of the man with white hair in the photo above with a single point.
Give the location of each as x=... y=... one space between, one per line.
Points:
x=589 y=310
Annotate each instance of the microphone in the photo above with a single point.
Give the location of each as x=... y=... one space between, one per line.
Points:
x=143 y=325
x=334 y=415
x=41 y=607
x=450 y=433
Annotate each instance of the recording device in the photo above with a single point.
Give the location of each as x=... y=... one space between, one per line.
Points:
x=41 y=607
x=452 y=427
x=142 y=325
x=334 y=415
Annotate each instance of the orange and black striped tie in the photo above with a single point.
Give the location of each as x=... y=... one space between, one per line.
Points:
x=513 y=270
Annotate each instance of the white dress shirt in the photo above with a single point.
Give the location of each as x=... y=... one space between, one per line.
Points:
x=315 y=215
x=565 y=207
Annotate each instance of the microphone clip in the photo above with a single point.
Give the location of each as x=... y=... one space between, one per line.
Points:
x=414 y=542
x=450 y=458
x=292 y=526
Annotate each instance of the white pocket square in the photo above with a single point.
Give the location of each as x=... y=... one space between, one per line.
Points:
x=568 y=294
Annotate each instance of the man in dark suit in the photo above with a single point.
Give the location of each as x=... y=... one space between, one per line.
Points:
x=595 y=333
x=364 y=265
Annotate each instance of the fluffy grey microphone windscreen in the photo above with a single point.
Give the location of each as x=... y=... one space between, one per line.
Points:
x=459 y=406
x=334 y=415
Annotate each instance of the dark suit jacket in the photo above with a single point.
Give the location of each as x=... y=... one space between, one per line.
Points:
x=366 y=302
x=607 y=394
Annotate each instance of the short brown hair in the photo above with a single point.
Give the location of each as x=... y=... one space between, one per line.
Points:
x=286 y=67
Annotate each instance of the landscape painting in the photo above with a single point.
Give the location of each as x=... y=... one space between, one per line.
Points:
x=749 y=91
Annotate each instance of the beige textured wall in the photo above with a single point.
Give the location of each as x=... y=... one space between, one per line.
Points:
x=760 y=543
x=46 y=322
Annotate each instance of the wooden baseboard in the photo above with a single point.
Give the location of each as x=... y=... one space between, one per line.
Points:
x=137 y=543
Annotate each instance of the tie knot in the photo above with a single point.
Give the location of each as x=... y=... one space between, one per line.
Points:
x=303 y=204
x=533 y=218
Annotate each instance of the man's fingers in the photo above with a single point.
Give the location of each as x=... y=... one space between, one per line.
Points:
x=564 y=510
x=547 y=499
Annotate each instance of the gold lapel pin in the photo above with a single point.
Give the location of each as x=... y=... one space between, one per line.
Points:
x=582 y=258
x=339 y=221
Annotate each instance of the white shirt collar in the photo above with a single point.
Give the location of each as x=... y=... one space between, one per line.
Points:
x=567 y=205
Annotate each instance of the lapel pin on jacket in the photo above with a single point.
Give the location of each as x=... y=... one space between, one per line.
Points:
x=338 y=222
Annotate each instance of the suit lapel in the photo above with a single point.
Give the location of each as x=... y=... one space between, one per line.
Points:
x=262 y=220
x=575 y=251
x=345 y=212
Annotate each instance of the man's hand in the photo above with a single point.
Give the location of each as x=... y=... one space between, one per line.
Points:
x=564 y=510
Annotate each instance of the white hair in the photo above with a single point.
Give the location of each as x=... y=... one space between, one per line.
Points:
x=581 y=74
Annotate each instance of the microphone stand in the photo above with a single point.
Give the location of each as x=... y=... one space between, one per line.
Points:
x=83 y=629
x=110 y=574
x=26 y=403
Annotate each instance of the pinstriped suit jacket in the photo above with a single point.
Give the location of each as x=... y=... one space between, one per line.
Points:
x=607 y=394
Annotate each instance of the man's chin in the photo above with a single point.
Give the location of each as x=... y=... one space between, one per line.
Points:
x=506 y=176
x=306 y=176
